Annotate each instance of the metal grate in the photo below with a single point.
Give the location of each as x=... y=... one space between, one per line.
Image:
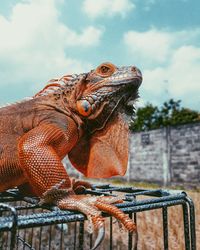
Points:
x=26 y=225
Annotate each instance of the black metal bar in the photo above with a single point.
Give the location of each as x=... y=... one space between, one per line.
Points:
x=14 y=220
x=156 y=193
x=156 y=199
x=61 y=237
x=40 y=241
x=25 y=244
x=111 y=233
x=186 y=226
x=31 y=242
x=6 y=240
x=26 y=212
x=150 y=201
x=18 y=196
x=130 y=236
x=91 y=241
x=136 y=233
x=50 y=232
x=41 y=219
x=81 y=235
x=135 y=247
x=1 y=240
x=165 y=227
x=17 y=239
x=192 y=222
x=75 y=233
x=157 y=205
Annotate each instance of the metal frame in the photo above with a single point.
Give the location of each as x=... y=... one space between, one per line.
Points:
x=11 y=221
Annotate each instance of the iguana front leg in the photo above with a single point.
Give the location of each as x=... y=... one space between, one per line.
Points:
x=40 y=153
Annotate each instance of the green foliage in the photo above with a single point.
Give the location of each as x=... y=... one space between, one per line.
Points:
x=170 y=113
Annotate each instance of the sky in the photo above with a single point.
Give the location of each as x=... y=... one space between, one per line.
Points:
x=43 y=39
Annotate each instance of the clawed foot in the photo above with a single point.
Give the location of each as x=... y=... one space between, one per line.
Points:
x=92 y=206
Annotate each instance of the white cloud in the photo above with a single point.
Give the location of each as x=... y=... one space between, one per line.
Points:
x=149 y=4
x=107 y=7
x=180 y=79
x=157 y=46
x=184 y=75
x=39 y=20
x=150 y=46
x=34 y=43
x=171 y=64
x=90 y=37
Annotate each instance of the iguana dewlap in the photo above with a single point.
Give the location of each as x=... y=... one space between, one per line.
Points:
x=78 y=116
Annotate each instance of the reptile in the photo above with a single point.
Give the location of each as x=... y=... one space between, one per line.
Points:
x=78 y=115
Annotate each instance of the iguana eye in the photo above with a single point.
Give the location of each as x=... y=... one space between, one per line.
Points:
x=84 y=107
x=105 y=70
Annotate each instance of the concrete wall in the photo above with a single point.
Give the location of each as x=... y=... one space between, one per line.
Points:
x=169 y=155
x=185 y=153
x=147 y=159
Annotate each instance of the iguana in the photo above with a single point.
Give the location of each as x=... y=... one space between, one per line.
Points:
x=79 y=116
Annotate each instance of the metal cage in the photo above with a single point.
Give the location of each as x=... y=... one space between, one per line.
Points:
x=24 y=224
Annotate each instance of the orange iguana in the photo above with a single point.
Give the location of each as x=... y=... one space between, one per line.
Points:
x=78 y=116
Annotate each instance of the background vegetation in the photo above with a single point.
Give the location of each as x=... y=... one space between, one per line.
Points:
x=170 y=113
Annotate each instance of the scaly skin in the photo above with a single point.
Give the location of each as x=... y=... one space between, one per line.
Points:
x=78 y=115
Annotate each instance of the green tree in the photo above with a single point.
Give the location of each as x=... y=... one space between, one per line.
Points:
x=170 y=113
x=167 y=110
x=184 y=115
x=145 y=118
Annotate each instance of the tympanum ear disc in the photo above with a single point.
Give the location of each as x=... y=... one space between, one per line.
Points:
x=84 y=107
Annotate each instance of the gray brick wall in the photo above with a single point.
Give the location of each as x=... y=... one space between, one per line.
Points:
x=147 y=156
x=185 y=153
x=168 y=155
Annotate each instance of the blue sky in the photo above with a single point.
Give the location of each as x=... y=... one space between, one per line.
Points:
x=42 y=39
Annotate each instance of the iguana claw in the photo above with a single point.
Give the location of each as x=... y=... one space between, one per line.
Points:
x=100 y=237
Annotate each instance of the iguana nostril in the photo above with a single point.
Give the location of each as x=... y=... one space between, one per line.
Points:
x=134 y=69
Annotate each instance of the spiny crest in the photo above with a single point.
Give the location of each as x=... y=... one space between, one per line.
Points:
x=57 y=84
x=17 y=102
x=54 y=85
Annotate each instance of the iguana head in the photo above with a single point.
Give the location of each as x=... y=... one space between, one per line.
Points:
x=108 y=88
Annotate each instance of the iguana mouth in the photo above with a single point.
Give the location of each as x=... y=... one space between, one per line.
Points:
x=125 y=104
x=130 y=91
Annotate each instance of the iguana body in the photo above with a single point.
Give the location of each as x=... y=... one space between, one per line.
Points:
x=75 y=115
